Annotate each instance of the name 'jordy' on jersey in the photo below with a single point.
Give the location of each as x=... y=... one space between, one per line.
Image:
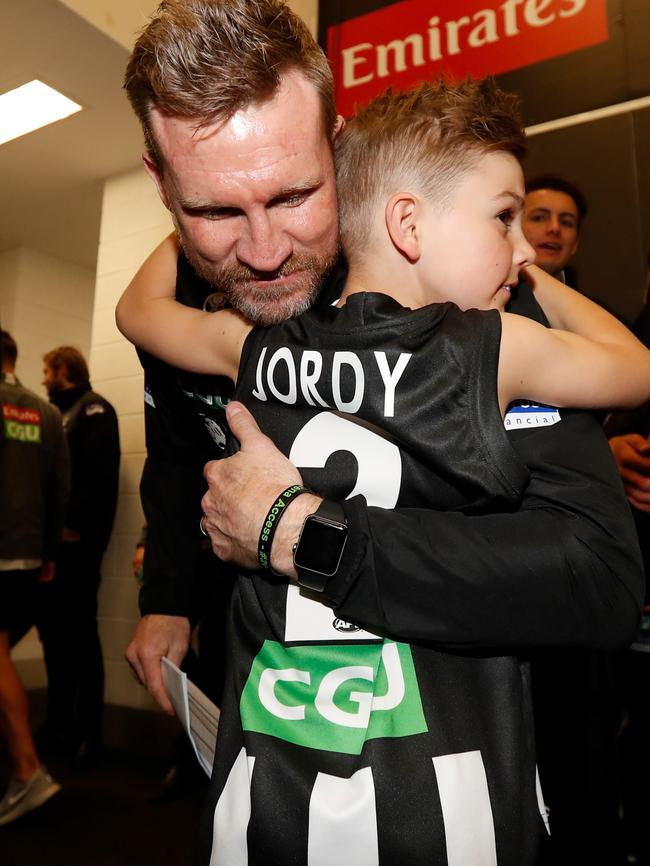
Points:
x=333 y=380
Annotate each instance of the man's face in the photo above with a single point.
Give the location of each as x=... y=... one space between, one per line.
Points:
x=474 y=247
x=254 y=199
x=551 y=225
x=53 y=380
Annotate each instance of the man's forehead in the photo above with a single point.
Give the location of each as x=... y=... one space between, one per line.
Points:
x=551 y=200
x=242 y=152
x=292 y=110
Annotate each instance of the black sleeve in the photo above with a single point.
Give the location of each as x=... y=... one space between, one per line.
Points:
x=172 y=485
x=564 y=570
x=58 y=489
x=171 y=489
x=96 y=467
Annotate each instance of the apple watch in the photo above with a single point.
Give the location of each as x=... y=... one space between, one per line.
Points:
x=318 y=551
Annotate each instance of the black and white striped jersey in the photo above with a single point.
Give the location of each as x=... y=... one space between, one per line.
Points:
x=338 y=745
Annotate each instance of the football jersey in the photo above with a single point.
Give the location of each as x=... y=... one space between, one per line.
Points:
x=337 y=744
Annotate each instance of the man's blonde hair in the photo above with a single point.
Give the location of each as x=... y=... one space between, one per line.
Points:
x=422 y=141
x=204 y=60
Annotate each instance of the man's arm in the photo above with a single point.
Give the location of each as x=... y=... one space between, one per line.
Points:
x=171 y=488
x=564 y=570
x=58 y=487
x=95 y=473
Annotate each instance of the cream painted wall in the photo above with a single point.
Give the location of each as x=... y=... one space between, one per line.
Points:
x=44 y=302
x=133 y=222
x=39 y=302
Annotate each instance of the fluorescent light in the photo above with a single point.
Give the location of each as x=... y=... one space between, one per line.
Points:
x=31 y=106
x=589 y=116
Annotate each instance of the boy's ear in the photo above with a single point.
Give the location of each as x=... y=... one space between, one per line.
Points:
x=401 y=215
x=154 y=174
x=339 y=126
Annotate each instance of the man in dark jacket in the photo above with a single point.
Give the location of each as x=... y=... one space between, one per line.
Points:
x=553 y=572
x=68 y=616
x=34 y=469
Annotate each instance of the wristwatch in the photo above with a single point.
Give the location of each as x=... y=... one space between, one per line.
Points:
x=318 y=551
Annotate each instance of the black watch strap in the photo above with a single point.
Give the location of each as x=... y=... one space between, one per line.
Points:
x=317 y=554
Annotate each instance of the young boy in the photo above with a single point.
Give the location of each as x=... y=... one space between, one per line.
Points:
x=430 y=205
x=332 y=736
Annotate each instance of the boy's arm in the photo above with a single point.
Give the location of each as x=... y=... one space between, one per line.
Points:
x=594 y=362
x=151 y=318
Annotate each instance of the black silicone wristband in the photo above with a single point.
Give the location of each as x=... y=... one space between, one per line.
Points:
x=271 y=524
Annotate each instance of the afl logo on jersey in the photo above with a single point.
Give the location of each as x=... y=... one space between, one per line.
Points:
x=346 y=627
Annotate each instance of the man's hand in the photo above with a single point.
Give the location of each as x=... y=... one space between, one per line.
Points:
x=241 y=491
x=157 y=636
x=632 y=455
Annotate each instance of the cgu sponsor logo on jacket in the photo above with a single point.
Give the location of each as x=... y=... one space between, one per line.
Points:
x=416 y=40
x=21 y=425
x=333 y=698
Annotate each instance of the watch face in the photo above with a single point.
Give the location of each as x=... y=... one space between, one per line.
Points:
x=320 y=546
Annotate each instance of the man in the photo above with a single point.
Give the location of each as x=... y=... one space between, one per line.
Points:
x=67 y=621
x=34 y=469
x=553 y=216
x=447 y=579
x=575 y=719
x=629 y=439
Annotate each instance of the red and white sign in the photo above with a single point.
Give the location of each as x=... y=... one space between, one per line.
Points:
x=416 y=40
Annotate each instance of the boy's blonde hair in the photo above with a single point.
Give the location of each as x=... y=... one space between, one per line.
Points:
x=204 y=60
x=422 y=141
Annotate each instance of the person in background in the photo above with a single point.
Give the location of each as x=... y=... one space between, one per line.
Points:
x=553 y=216
x=577 y=710
x=34 y=480
x=629 y=439
x=67 y=619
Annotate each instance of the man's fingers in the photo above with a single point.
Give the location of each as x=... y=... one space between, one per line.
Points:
x=241 y=422
x=149 y=672
x=132 y=658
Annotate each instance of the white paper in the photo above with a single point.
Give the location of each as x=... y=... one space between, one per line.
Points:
x=196 y=712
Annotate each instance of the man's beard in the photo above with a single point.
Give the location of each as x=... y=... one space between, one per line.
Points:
x=252 y=293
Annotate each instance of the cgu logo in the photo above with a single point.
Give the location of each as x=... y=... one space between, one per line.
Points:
x=362 y=702
x=22 y=432
x=333 y=697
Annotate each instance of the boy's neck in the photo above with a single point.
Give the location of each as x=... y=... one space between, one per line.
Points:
x=401 y=286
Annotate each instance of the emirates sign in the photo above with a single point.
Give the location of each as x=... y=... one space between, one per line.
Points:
x=408 y=42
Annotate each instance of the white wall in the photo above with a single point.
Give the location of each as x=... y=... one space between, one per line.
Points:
x=44 y=302
x=133 y=222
